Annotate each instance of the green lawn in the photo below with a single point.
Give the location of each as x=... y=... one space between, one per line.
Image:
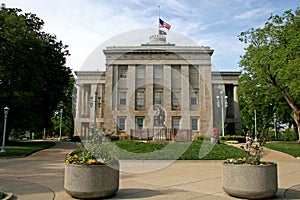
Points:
x=177 y=150
x=196 y=150
x=285 y=147
x=17 y=149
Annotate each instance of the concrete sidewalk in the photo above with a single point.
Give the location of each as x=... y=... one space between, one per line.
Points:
x=40 y=177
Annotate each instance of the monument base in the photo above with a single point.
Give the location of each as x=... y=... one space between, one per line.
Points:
x=160 y=133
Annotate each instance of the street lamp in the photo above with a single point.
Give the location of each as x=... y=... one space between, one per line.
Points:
x=222 y=102
x=60 y=122
x=275 y=126
x=95 y=113
x=255 y=127
x=6 y=109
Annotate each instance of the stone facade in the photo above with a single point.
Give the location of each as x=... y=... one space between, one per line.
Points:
x=140 y=79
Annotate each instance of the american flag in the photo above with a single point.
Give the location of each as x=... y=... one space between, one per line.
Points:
x=163 y=24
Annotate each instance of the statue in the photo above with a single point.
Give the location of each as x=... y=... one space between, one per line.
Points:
x=160 y=114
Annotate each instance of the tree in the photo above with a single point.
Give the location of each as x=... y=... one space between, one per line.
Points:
x=254 y=97
x=33 y=75
x=68 y=109
x=271 y=65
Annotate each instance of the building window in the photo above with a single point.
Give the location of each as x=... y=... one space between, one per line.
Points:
x=193 y=71
x=121 y=123
x=139 y=122
x=140 y=71
x=157 y=97
x=194 y=98
x=158 y=72
x=176 y=99
x=140 y=98
x=194 y=101
x=194 y=123
x=122 y=71
x=176 y=122
x=122 y=98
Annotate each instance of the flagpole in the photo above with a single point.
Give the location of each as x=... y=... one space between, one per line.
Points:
x=158 y=18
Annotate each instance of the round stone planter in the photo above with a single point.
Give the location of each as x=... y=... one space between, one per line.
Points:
x=250 y=181
x=91 y=181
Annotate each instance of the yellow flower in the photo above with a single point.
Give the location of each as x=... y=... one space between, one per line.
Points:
x=92 y=161
x=102 y=160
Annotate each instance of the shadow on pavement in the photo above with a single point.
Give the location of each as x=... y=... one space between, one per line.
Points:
x=292 y=192
x=135 y=193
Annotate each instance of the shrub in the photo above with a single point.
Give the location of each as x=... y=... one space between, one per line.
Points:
x=239 y=138
x=2 y=195
x=113 y=137
x=201 y=137
x=231 y=142
x=75 y=139
x=287 y=135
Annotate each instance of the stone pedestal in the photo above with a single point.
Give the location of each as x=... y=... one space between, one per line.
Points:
x=159 y=133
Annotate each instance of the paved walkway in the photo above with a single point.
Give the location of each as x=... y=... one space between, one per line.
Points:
x=40 y=177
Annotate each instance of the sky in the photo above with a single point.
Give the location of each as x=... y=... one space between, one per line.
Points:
x=88 y=26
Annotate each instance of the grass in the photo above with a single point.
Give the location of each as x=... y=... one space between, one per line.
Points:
x=285 y=147
x=24 y=148
x=196 y=150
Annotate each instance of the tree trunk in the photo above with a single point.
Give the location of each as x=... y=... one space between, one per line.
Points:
x=290 y=101
x=296 y=117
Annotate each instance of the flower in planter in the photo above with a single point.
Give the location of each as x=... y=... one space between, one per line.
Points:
x=96 y=151
x=255 y=153
x=92 y=171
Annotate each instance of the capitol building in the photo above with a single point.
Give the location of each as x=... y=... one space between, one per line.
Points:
x=157 y=90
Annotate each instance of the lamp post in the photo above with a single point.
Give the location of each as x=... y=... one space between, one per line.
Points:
x=275 y=126
x=222 y=102
x=95 y=113
x=96 y=102
x=6 y=109
x=60 y=122
x=255 y=127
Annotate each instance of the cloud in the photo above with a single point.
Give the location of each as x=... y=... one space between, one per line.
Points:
x=255 y=13
x=85 y=24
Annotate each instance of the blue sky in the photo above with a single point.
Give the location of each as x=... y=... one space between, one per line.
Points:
x=86 y=24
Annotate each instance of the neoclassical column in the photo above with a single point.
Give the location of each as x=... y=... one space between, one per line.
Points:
x=149 y=96
x=130 y=98
x=78 y=110
x=167 y=105
x=110 y=97
x=185 y=97
x=92 y=109
x=205 y=98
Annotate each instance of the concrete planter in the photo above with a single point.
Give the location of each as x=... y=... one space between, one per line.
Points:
x=91 y=181
x=250 y=181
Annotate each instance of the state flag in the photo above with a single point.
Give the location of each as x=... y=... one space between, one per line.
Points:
x=161 y=32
